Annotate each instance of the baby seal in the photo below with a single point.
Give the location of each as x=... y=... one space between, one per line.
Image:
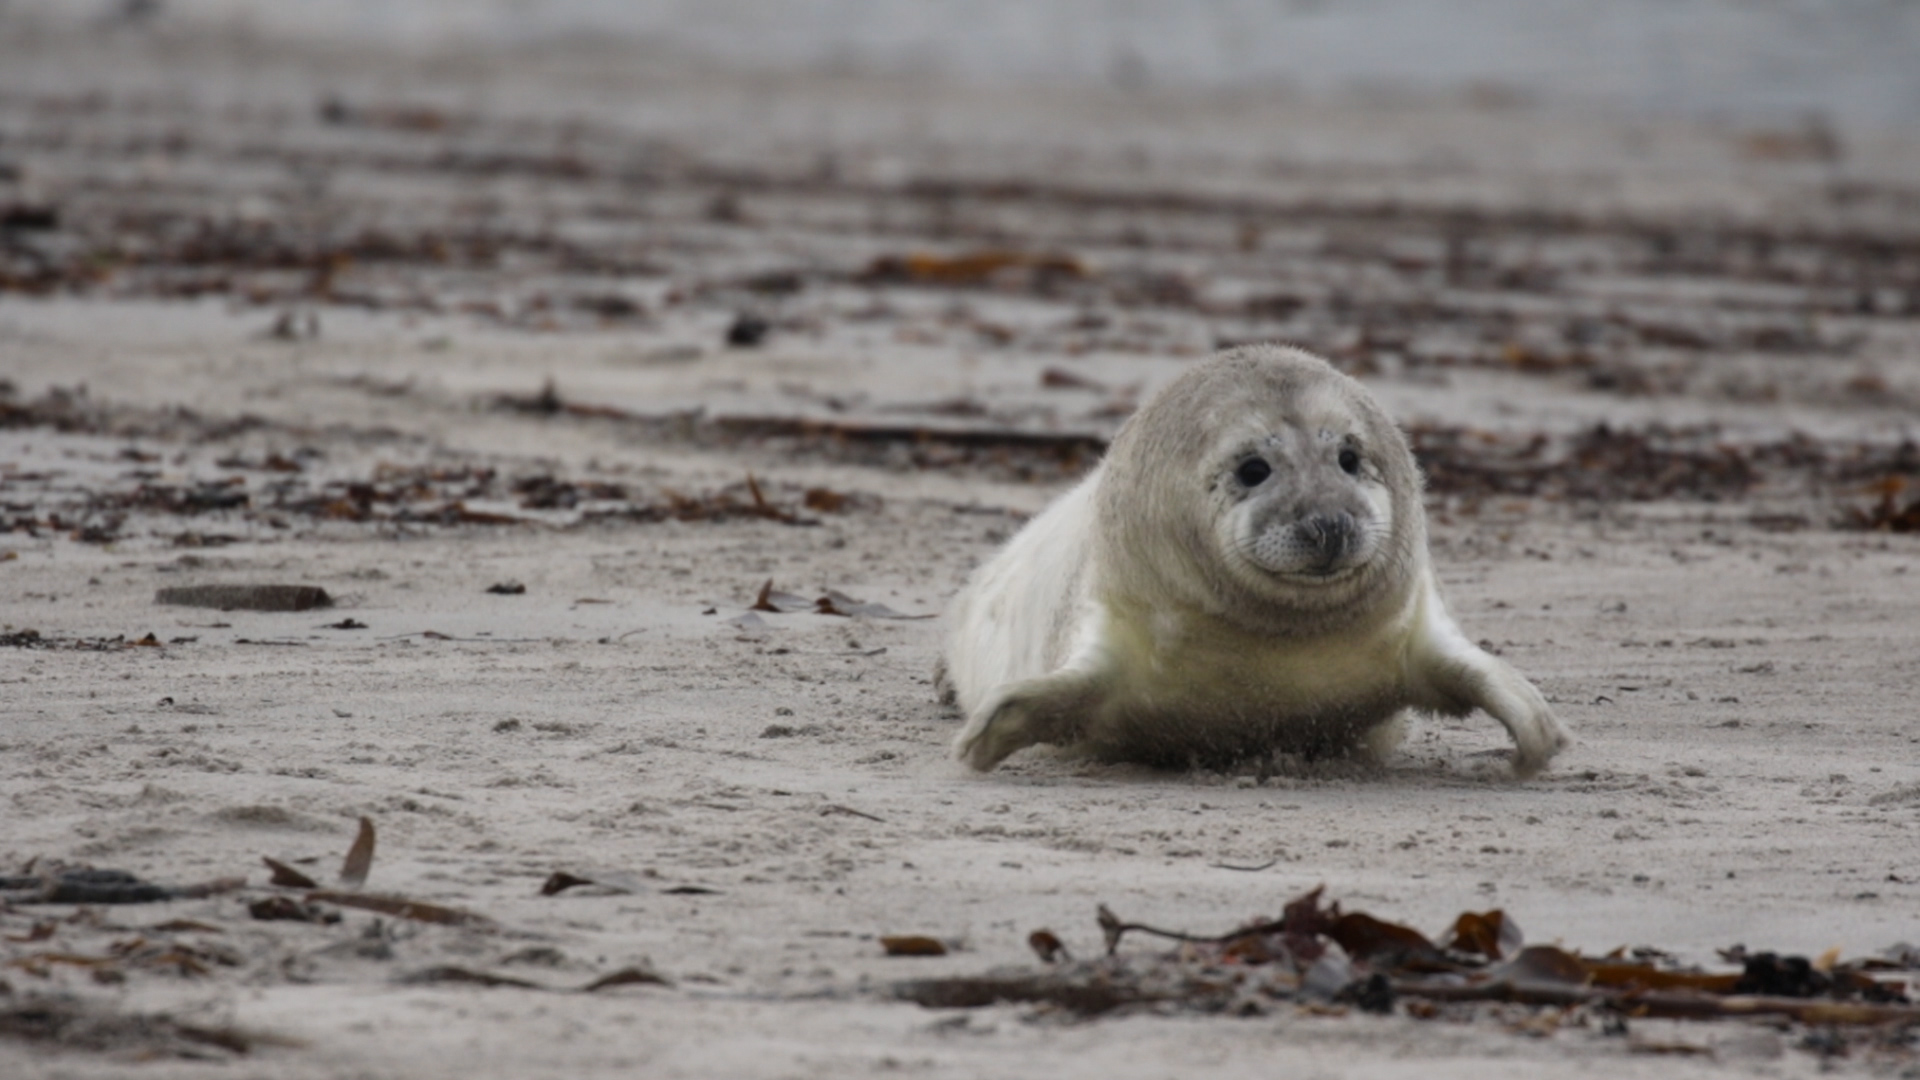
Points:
x=1246 y=572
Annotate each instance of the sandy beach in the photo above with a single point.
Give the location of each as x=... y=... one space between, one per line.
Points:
x=547 y=362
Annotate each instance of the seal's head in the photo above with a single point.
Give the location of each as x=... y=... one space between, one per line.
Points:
x=1280 y=491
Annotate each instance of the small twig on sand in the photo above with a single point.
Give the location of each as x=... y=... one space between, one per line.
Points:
x=1113 y=929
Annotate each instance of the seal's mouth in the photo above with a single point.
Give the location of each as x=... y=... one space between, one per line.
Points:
x=1304 y=568
x=1313 y=551
x=1323 y=547
x=1320 y=575
x=1313 y=566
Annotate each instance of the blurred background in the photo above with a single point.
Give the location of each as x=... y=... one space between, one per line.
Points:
x=1631 y=234
x=1849 y=63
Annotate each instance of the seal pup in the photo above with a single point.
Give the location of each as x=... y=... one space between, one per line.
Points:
x=1245 y=572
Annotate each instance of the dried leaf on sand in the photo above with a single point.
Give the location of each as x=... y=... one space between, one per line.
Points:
x=359 y=860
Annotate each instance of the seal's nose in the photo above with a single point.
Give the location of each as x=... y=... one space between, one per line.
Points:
x=1332 y=537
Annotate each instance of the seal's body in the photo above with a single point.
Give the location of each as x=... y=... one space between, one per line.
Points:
x=1245 y=573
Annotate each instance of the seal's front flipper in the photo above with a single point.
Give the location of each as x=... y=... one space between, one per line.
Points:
x=1508 y=697
x=1052 y=709
x=1455 y=676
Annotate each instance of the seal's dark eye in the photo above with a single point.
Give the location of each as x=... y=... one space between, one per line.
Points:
x=1350 y=461
x=1252 y=472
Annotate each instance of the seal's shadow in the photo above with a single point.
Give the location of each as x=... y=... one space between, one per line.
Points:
x=1045 y=764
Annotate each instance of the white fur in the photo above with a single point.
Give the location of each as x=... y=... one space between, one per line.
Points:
x=1006 y=626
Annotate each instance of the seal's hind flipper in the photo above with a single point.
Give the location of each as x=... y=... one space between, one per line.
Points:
x=1053 y=709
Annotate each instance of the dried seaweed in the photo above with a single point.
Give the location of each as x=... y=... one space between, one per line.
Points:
x=246 y=597
x=1319 y=955
x=834 y=602
x=610 y=881
x=88 y=885
x=390 y=495
x=1031 y=455
x=34 y=639
x=287 y=877
x=71 y=1024
x=1599 y=463
x=1026 y=270
x=1888 y=513
x=560 y=881
x=1491 y=934
x=1081 y=989
x=287 y=909
x=778 y=602
x=359 y=860
x=449 y=973
x=629 y=976
x=399 y=907
x=913 y=945
x=1603 y=463
x=1048 y=947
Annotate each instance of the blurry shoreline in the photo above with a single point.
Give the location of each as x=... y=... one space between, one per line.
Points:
x=1805 y=62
